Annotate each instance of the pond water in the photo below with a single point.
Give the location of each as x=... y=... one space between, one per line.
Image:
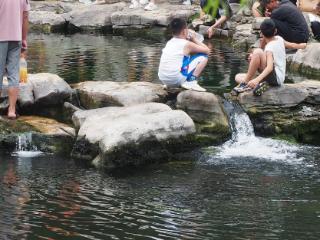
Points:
x=248 y=188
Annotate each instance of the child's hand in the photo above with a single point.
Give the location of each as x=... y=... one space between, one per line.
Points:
x=253 y=83
x=211 y=31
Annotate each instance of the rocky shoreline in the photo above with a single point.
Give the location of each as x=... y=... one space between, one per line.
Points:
x=118 y=126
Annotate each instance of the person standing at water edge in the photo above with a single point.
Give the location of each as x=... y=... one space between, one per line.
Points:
x=13 y=37
x=183 y=59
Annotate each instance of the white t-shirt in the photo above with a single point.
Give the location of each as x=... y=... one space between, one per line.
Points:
x=278 y=50
x=171 y=62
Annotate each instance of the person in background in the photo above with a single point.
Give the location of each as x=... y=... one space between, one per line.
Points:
x=290 y=22
x=270 y=62
x=183 y=59
x=13 y=37
x=258 y=10
x=224 y=12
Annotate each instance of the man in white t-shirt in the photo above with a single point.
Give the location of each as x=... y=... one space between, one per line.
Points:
x=183 y=59
x=270 y=62
x=13 y=37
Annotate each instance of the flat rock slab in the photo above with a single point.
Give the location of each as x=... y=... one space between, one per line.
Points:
x=132 y=135
x=99 y=94
x=160 y=17
x=94 y=16
x=99 y=114
x=48 y=135
x=288 y=95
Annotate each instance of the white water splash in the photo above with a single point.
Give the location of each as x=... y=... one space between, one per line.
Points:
x=244 y=143
x=25 y=148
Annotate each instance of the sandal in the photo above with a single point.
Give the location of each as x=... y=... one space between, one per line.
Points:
x=261 y=88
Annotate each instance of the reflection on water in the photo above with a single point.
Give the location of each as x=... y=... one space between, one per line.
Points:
x=52 y=198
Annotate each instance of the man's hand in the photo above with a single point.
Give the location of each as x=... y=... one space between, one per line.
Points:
x=253 y=83
x=211 y=31
x=24 y=45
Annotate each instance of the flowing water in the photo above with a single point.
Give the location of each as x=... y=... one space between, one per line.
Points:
x=248 y=188
x=25 y=148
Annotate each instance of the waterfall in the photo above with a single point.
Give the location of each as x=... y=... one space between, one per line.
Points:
x=244 y=142
x=24 y=146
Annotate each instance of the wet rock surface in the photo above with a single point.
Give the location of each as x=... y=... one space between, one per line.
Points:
x=48 y=135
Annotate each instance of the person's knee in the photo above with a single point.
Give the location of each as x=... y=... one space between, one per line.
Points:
x=239 y=78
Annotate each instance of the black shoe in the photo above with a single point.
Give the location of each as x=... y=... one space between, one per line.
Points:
x=261 y=88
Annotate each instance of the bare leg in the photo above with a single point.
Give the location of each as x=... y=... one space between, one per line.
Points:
x=257 y=63
x=200 y=67
x=13 y=96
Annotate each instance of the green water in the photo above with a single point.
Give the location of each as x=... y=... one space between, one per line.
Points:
x=206 y=196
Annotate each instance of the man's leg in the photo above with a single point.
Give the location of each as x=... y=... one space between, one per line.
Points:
x=258 y=62
x=3 y=59
x=13 y=67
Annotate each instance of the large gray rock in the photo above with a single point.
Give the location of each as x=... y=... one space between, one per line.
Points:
x=79 y=117
x=160 y=17
x=49 y=89
x=133 y=135
x=45 y=21
x=26 y=97
x=243 y=36
x=292 y=110
x=306 y=60
x=99 y=94
x=95 y=17
x=207 y=111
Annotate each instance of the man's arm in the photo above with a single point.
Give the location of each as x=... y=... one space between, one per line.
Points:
x=25 y=28
x=254 y=82
x=295 y=45
x=217 y=24
x=195 y=46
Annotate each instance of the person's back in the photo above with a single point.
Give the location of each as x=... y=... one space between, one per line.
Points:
x=171 y=61
x=277 y=48
x=287 y=12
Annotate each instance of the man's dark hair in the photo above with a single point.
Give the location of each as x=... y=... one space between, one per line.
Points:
x=264 y=3
x=268 y=28
x=177 y=25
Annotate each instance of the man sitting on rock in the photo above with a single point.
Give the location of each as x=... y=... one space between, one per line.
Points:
x=183 y=59
x=271 y=63
x=290 y=22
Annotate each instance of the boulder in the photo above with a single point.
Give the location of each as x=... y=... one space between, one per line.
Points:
x=99 y=94
x=132 y=135
x=80 y=116
x=257 y=22
x=243 y=36
x=49 y=89
x=47 y=22
x=291 y=111
x=95 y=17
x=48 y=135
x=207 y=112
x=306 y=60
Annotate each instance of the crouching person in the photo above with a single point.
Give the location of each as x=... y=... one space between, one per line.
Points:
x=183 y=59
x=270 y=63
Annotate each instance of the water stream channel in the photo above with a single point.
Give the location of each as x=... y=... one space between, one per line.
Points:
x=248 y=188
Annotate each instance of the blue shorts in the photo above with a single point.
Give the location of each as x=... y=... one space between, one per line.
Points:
x=190 y=63
x=10 y=62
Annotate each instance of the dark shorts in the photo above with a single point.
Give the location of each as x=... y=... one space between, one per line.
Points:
x=271 y=79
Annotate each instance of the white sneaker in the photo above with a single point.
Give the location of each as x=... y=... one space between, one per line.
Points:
x=134 y=4
x=187 y=2
x=193 y=85
x=144 y=2
x=151 y=7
